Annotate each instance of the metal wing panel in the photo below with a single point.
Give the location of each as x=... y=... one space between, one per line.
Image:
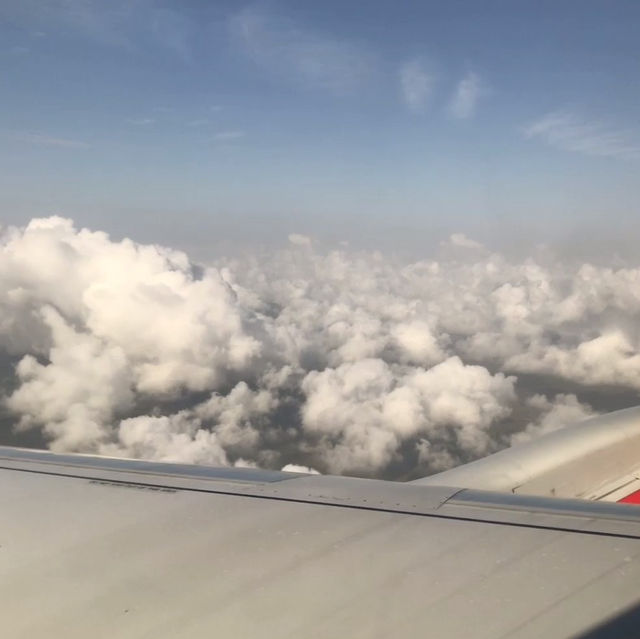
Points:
x=589 y=459
x=80 y=557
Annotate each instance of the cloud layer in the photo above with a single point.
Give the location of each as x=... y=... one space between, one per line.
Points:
x=338 y=361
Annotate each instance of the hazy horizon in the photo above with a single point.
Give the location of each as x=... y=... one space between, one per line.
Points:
x=348 y=121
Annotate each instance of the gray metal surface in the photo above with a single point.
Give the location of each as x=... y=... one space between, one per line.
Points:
x=96 y=463
x=577 y=461
x=89 y=551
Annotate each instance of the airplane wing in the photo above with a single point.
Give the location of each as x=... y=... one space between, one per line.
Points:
x=598 y=459
x=96 y=547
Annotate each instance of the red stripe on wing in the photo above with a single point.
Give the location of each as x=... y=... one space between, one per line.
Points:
x=633 y=498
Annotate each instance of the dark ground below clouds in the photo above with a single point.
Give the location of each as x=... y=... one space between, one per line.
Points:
x=281 y=450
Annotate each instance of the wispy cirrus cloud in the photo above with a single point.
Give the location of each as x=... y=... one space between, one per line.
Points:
x=106 y=23
x=298 y=54
x=465 y=99
x=570 y=132
x=225 y=136
x=18 y=51
x=173 y=30
x=39 y=139
x=141 y=121
x=416 y=85
x=119 y=23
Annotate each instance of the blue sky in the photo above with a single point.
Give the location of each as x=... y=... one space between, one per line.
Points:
x=374 y=121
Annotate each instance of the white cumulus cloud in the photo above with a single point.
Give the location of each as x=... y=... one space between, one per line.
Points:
x=338 y=361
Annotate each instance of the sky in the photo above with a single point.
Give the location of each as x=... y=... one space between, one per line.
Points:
x=379 y=123
x=367 y=238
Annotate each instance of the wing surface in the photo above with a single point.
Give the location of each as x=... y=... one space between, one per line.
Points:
x=598 y=459
x=101 y=548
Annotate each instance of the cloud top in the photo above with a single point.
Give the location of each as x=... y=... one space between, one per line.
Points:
x=340 y=362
